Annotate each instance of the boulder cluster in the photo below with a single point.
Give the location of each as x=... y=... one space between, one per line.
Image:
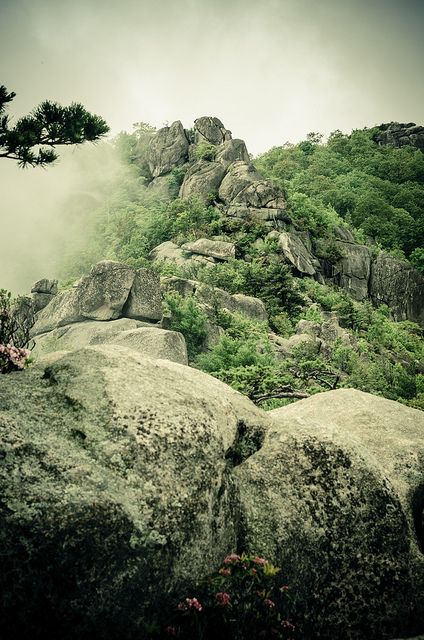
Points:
x=397 y=134
x=224 y=175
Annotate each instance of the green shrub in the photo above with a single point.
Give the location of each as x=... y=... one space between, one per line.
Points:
x=189 y=319
x=205 y=151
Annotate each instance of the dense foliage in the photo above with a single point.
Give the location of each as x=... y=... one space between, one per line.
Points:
x=31 y=140
x=377 y=189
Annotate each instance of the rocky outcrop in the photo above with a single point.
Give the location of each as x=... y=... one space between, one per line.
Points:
x=244 y=186
x=396 y=283
x=144 y=300
x=133 y=475
x=232 y=151
x=296 y=253
x=353 y=269
x=116 y=484
x=218 y=249
x=202 y=180
x=43 y=292
x=212 y=298
x=168 y=148
x=211 y=130
x=102 y=295
x=151 y=341
x=343 y=478
x=396 y=134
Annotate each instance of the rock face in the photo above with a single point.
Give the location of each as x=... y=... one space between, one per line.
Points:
x=116 y=488
x=151 y=341
x=335 y=496
x=110 y=291
x=43 y=292
x=396 y=134
x=354 y=269
x=212 y=248
x=202 y=180
x=296 y=253
x=167 y=149
x=144 y=300
x=400 y=286
x=211 y=130
x=244 y=186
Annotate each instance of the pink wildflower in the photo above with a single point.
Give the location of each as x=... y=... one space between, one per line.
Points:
x=224 y=572
x=287 y=625
x=223 y=599
x=258 y=560
x=171 y=631
x=284 y=588
x=233 y=557
x=269 y=603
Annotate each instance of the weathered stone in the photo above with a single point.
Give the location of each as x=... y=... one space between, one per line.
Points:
x=179 y=285
x=210 y=129
x=286 y=347
x=145 y=298
x=255 y=214
x=249 y=306
x=296 y=253
x=169 y=252
x=81 y=334
x=155 y=343
x=45 y=286
x=212 y=248
x=400 y=286
x=203 y=179
x=244 y=185
x=213 y=334
x=396 y=134
x=354 y=269
x=115 y=488
x=41 y=300
x=309 y=327
x=99 y=296
x=167 y=149
x=231 y=151
x=335 y=497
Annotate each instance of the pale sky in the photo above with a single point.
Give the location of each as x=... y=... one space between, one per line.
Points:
x=272 y=70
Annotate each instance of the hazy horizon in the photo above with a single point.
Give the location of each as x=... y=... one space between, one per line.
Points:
x=271 y=71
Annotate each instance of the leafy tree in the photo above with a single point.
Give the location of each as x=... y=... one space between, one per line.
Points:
x=32 y=139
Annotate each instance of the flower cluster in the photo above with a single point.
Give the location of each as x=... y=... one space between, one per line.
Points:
x=190 y=603
x=243 y=599
x=12 y=358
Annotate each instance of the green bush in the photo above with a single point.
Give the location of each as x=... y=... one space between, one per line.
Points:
x=189 y=319
x=205 y=151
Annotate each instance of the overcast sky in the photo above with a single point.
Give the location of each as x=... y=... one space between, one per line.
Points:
x=272 y=70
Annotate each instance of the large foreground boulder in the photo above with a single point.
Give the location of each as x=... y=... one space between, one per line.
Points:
x=336 y=497
x=116 y=487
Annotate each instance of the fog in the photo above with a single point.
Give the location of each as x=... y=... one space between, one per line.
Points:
x=271 y=70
